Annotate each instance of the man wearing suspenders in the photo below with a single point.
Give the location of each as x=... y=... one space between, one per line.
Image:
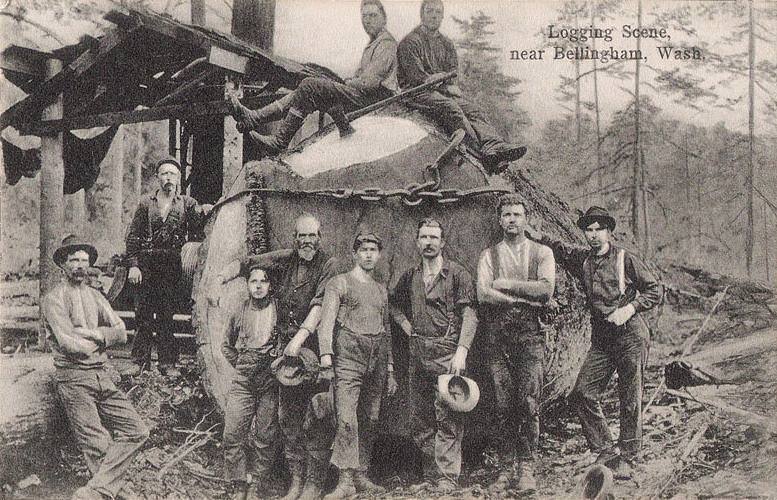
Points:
x=619 y=287
x=515 y=281
x=433 y=303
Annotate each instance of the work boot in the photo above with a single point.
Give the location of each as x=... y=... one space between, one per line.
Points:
x=622 y=468
x=239 y=490
x=345 y=486
x=295 y=488
x=609 y=457
x=315 y=476
x=502 y=152
x=526 y=484
x=251 y=119
x=86 y=493
x=446 y=485
x=274 y=144
x=364 y=485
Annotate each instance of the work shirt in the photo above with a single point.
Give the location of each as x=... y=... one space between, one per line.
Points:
x=530 y=261
x=68 y=307
x=423 y=53
x=378 y=65
x=250 y=331
x=358 y=307
x=301 y=283
x=437 y=309
x=149 y=234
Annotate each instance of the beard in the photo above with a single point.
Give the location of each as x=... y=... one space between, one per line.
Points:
x=307 y=252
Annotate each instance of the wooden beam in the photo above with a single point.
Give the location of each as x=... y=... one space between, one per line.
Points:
x=50 y=89
x=24 y=60
x=228 y=60
x=187 y=87
x=119 y=117
x=186 y=110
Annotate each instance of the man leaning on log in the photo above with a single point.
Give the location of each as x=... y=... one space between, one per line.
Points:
x=424 y=54
x=619 y=287
x=81 y=325
x=374 y=80
x=515 y=282
x=302 y=273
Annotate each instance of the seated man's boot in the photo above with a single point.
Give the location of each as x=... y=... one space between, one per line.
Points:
x=251 y=119
x=497 y=158
x=345 y=486
x=86 y=493
x=364 y=485
x=527 y=484
x=271 y=145
x=295 y=488
x=447 y=485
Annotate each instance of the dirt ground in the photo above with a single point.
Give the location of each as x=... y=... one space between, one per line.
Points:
x=690 y=450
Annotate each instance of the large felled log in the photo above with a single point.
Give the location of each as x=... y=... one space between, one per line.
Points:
x=388 y=151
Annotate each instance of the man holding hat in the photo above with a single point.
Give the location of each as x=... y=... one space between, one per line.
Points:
x=301 y=274
x=433 y=303
x=160 y=227
x=515 y=282
x=249 y=346
x=80 y=324
x=619 y=287
x=355 y=340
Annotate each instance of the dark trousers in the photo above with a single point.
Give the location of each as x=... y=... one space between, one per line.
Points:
x=320 y=94
x=156 y=301
x=613 y=349
x=517 y=366
x=360 y=369
x=108 y=430
x=250 y=399
x=294 y=402
x=454 y=113
x=437 y=430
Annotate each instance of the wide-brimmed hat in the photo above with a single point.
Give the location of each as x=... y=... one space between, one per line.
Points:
x=295 y=370
x=72 y=243
x=597 y=483
x=596 y=214
x=459 y=393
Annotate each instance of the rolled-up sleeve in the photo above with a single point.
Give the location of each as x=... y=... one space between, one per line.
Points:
x=329 y=309
x=645 y=282
x=111 y=325
x=56 y=320
x=328 y=271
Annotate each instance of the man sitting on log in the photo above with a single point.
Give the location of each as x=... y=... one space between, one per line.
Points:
x=250 y=347
x=301 y=275
x=515 y=282
x=159 y=229
x=619 y=287
x=374 y=80
x=81 y=325
x=356 y=306
x=426 y=53
x=438 y=296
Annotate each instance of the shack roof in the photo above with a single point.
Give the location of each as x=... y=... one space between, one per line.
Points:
x=146 y=67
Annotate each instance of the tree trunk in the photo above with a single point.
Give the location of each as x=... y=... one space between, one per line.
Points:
x=198 y=12
x=636 y=192
x=600 y=172
x=387 y=152
x=749 y=230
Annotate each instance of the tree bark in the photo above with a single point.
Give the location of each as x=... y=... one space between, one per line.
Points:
x=749 y=230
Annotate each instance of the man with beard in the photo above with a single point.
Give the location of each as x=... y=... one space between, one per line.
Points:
x=425 y=54
x=619 y=287
x=438 y=296
x=355 y=331
x=515 y=282
x=161 y=225
x=301 y=274
x=374 y=80
x=81 y=325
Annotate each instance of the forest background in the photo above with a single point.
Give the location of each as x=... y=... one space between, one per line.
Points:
x=684 y=152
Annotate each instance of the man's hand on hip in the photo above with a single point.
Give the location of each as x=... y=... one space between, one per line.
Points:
x=621 y=315
x=135 y=276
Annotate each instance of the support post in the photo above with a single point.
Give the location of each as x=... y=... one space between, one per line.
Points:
x=52 y=178
x=233 y=140
x=75 y=212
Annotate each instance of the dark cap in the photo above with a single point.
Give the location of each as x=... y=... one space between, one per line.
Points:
x=249 y=265
x=168 y=161
x=367 y=237
x=596 y=214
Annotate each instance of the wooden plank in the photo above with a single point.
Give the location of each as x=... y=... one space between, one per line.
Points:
x=119 y=117
x=228 y=60
x=24 y=60
x=62 y=80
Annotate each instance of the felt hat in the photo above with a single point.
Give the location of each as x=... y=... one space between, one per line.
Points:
x=295 y=370
x=597 y=483
x=596 y=214
x=72 y=243
x=459 y=393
